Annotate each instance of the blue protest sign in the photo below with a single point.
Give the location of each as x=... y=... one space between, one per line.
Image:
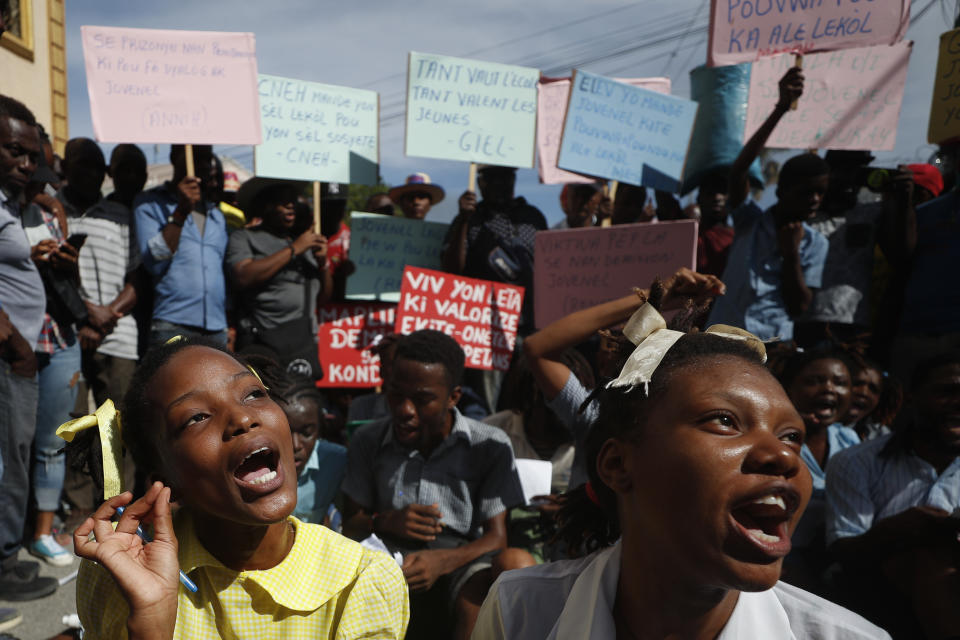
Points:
x=381 y=246
x=621 y=132
x=314 y=131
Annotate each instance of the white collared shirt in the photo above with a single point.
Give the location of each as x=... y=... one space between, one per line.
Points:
x=573 y=600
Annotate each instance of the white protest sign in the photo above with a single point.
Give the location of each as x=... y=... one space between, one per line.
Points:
x=459 y=109
x=314 y=131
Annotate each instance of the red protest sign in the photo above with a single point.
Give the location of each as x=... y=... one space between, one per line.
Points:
x=480 y=315
x=344 y=332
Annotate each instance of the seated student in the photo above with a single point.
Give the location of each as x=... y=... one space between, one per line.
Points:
x=875 y=400
x=536 y=433
x=696 y=483
x=818 y=384
x=320 y=464
x=562 y=390
x=776 y=260
x=889 y=506
x=201 y=425
x=435 y=486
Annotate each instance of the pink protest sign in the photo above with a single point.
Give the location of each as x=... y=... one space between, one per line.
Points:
x=851 y=99
x=345 y=332
x=746 y=30
x=482 y=316
x=178 y=87
x=579 y=268
x=552 y=95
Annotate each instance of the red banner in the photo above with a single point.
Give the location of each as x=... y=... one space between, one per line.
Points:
x=480 y=315
x=344 y=333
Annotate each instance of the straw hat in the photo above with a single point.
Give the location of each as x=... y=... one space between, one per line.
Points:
x=418 y=182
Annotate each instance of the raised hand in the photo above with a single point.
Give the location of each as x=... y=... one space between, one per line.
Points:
x=468 y=202
x=791 y=87
x=146 y=574
x=686 y=283
x=189 y=194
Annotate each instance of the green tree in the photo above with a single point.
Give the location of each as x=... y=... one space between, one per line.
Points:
x=360 y=193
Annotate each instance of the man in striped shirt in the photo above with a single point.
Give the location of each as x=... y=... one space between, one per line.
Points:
x=108 y=259
x=893 y=511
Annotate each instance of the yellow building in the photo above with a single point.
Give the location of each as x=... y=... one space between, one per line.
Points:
x=33 y=62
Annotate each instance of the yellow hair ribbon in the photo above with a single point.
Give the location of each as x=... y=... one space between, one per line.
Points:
x=107 y=419
x=257 y=376
x=174 y=339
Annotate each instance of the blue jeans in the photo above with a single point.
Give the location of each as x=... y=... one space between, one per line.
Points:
x=59 y=374
x=18 y=421
x=161 y=331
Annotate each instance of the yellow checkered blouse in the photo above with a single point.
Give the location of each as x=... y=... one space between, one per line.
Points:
x=326 y=587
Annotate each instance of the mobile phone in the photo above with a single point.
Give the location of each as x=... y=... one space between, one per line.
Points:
x=76 y=240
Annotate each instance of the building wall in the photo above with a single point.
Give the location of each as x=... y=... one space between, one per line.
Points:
x=34 y=69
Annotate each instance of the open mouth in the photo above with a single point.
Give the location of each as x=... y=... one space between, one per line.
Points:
x=825 y=408
x=405 y=431
x=259 y=470
x=762 y=521
x=859 y=403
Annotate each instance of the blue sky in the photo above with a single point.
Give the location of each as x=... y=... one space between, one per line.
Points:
x=365 y=43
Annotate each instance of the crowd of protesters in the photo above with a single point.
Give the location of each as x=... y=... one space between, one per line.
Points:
x=823 y=407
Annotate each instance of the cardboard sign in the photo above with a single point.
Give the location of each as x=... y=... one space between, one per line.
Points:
x=381 y=246
x=945 y=107
x=631 y=134
x=746 y=30
x=579 y=268
x=482 y=316
x=851 y=99
x=345 y=331
x=552 y=94
x=468 y=110
x=177 y=87
x=314 y=131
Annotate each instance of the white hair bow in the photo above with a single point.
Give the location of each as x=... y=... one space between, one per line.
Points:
x=648 y=330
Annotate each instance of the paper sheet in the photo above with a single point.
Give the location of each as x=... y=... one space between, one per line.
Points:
x=374 y=543
x=535 y=477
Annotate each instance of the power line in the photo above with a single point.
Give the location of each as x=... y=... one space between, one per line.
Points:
x=500 y=45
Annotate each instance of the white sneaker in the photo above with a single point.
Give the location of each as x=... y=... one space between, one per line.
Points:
x=47 y=549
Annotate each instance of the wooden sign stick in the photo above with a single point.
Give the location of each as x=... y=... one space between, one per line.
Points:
x=798 y=63
x=610 y=190
x=316 y=207
x=472 y=180
x=188 y=152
